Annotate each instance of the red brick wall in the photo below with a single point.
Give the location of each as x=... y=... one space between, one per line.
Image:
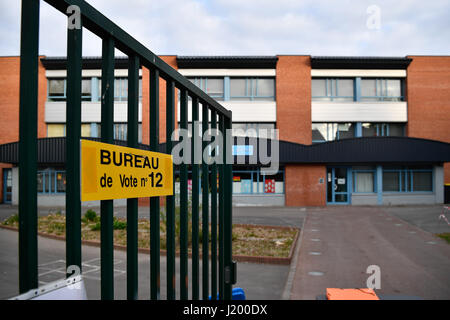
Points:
x=303 y=187
x=9 y=99
x=428 y=96
x=293 y=92
x=172 y=61
x=42 y=97
x=9 y=104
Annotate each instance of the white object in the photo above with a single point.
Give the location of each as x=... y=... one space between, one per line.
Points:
x=66 y=289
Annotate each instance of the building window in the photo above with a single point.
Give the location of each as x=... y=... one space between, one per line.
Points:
x=364 y=179
x=214 y=87
x=391 y=181
x=261 y=130
x=56 y=90
x=86 y=89
x=264 y=130
x=237 y=89
x=381 y=90
x=56 y=130
x=322 y=132
x=408 y=179
x=383 y=129
x=422 y=180
x=246 y=181
x=121 y=131
x=332 y=89
x=252 y=181
x=120 y=89
x=249 y=89
x=51 y=181
x=87 y=130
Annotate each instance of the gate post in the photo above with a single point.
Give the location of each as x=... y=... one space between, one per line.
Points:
x=132 y=204
x=227 y=238
x=155 y=245
x=106 y=206
x=29 y=59
x=73 y=123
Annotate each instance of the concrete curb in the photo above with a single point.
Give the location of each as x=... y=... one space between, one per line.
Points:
x=238 y=258
x=293 y=266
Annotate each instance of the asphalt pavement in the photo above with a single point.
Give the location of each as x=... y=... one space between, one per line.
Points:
x=340 y=243
x=259 y=281
x=337 y=245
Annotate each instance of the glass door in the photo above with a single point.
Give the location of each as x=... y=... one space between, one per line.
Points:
x=337 y=185
x=7 y=185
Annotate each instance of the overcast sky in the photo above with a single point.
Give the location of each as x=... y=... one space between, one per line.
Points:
x=253 y=27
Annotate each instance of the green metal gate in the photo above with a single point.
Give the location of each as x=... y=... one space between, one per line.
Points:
x=222 y=269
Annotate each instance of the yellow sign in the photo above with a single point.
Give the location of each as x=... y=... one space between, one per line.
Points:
x=114 y=172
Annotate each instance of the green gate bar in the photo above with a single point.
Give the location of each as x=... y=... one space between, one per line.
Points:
x=132 y=204
x=73 y=135
x=195 y=205
x=170 y=200
x=213 y=215
x=183 y=204
x=227 y=223
x=29 y=50
x=221 y=212
x=205 y=209
x=154 y=201
x=106 y=206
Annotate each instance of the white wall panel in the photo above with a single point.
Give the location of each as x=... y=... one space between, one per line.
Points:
x=87 y=73
x=358 y=73
x=243 y=111
x=359 y=112
x=227 y=72
x=55 y=112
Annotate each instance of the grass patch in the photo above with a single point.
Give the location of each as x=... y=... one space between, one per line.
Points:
x=445 y=236
x=247 y=240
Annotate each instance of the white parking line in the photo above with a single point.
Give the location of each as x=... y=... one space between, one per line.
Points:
x=88 y=267
x=316 y=273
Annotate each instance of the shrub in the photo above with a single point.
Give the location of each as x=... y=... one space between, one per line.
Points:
x=90 y=215
x=95 y=227
x=119 y=225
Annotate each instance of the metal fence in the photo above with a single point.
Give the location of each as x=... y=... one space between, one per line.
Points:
x=217 y=278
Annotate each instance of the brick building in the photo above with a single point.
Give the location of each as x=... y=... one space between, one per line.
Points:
x=352 y=130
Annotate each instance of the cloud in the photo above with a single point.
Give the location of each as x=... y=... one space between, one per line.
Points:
x=251 y=27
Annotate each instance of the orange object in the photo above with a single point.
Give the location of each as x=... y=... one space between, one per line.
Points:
x=351 y=294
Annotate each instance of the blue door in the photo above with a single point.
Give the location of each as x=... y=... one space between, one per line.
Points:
x=338 y=185
x=7 y=185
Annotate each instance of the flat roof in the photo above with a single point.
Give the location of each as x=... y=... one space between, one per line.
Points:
x=350 y=62
x=209 y=62
x=248 y=62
